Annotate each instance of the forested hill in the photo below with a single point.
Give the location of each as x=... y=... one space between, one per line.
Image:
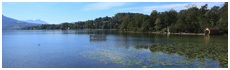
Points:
x=191 y=20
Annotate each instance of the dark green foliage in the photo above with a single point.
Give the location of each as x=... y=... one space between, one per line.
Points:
x=165 y=19
x=223 y=21
x=139 y=22
x=152 y=19
x=191 y=20
x=158 y=25
x=124 y=25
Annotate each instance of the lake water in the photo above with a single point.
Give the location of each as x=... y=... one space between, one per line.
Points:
x=75 y=49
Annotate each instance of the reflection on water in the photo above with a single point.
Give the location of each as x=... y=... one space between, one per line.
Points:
x=200 y=51
x=207 y=38
x=75 y=49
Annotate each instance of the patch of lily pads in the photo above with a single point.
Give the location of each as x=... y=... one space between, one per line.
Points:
x=160 y=55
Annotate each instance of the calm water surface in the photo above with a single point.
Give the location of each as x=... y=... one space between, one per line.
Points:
x=74 y=49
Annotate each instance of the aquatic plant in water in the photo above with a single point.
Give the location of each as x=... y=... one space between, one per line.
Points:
x=157 y=55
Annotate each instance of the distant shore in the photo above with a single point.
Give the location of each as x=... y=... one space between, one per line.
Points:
x=165 y=33
x=182 y=33
x=145 y=32
x=189 y=33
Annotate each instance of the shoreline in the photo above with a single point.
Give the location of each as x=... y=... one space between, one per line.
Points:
x=189 y=33
x=144 y=32
x=165 y=33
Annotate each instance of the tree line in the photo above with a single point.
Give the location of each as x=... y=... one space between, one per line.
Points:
x=190 y=20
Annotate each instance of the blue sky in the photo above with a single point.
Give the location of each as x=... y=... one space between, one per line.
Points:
x=59 y=12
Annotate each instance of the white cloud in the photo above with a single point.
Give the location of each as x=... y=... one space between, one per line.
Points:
x=103 y=5
x=166 y=7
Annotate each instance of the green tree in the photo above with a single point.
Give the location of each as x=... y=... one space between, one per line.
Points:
x=125 y=23
x=192 y=20
x=223 y=21
x=152 y=19
x=158 y=24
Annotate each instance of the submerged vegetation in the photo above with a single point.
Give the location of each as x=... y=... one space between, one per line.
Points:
x=190 y=20
x=213 y=51
x=164 y=55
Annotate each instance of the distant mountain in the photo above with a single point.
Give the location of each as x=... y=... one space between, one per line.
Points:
x=13 y=24
x=38 y=21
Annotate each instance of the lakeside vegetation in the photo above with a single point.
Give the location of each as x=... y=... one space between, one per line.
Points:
x=212 y=51
x=190 y=20
x=179 y=54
